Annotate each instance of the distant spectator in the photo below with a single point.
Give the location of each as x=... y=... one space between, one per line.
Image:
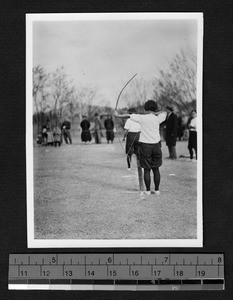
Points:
x=97 y=129
x=50 y=139
x=192 y=125
x=45 y=129
x=171 y=132
x=109 y=126
x=57 y=136
x=66 y=126
x=85 y=135
x=39 y=139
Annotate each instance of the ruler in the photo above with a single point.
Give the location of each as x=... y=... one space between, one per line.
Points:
x=116 y=271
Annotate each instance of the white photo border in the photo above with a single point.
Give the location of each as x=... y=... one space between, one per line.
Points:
x=142 y=243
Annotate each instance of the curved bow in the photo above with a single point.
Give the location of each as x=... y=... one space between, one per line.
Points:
x=118 y=98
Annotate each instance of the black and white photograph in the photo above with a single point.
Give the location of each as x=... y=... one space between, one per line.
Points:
x=114 y=130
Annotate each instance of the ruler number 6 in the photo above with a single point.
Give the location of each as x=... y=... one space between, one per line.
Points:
x=110 y=260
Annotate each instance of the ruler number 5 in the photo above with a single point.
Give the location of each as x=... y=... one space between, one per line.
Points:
x=54 y=260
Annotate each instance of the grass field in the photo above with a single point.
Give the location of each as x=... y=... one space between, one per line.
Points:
x=85 y=192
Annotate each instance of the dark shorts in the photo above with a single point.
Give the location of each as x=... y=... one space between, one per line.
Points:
x=150 y=155
x=132 y=144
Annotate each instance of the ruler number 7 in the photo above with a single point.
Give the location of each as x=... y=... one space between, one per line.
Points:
x=166 y=259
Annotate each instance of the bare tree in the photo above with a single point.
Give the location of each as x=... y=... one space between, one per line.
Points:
x=86 y=97
x=177 y=85
x=72 y=108
x=61 y=91
x=40 y=85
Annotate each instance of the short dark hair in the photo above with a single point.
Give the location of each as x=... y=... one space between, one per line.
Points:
x=150 y=105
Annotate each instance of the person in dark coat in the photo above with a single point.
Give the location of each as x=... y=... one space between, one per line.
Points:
x=109 y=126
x=171 y=132
x=85 y=135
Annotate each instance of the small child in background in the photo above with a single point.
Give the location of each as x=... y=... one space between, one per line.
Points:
x=57 y=136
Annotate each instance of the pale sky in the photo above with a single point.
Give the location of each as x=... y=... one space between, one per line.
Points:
x=105 y=54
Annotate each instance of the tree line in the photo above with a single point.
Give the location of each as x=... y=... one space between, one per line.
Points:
x=56 y=97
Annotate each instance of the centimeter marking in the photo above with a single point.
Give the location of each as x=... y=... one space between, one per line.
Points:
x=95 y=265
x=111 y=271
x=116 y=259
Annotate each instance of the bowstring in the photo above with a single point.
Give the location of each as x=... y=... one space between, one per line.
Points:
x=118 y=98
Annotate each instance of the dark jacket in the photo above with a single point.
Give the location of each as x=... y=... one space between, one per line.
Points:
x=108 y=124
x=85 y=124
x=66 y=124
x=171 y=129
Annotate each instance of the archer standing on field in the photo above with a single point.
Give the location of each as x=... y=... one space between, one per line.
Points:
x=150 y=149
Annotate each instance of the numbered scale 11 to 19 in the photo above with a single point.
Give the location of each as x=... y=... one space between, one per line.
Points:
x=124 y=271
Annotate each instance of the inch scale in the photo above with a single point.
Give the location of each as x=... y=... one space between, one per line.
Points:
x=113 y=271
